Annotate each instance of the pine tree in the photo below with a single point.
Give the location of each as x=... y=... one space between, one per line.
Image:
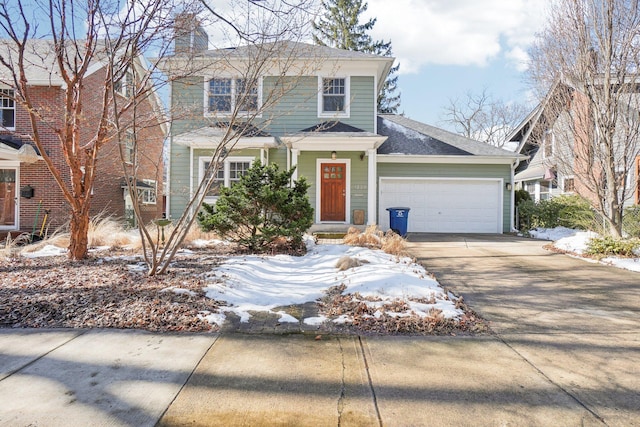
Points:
x=340 y=28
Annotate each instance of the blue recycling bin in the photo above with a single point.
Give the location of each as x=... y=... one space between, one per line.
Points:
x=398 y=218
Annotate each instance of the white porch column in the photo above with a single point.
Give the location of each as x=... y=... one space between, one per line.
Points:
x=372 y=192
x=294 y=162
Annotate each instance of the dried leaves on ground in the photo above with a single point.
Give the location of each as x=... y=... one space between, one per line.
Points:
x=113 y=291
x=103 y=293
x=394 y=317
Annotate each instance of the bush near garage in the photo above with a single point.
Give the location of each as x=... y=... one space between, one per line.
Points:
x=569 y=211
x=262 y=212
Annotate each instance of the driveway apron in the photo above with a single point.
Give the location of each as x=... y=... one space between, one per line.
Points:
x=575 y=322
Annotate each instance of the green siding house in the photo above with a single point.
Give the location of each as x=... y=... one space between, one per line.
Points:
x=314 y=107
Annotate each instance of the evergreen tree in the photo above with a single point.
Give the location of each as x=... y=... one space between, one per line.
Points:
x=340 y=28
x=262 y=212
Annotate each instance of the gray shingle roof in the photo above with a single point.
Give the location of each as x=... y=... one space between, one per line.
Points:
x=288 y=49
x=409 y=137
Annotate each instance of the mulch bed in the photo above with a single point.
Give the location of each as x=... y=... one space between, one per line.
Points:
x=54 y=292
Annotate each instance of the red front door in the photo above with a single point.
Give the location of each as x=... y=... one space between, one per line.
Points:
x=333 y=180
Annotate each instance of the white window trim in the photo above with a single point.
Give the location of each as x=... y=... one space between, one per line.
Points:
x=549 y=141
x=144 y=192
x=208 y=113
x=127 y=87
x=347 y=98
x=564 y=184
x=128 y=147
x=11 y=128
x=227 y=173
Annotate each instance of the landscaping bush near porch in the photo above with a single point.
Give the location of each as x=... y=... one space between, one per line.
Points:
x=262 y=212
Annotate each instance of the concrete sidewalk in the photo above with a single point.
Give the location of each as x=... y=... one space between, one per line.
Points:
x=130 y=378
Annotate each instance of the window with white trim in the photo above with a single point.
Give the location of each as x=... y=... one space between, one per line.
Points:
x=333 y=96
x=125 y=85
x=148 y=196
x=225 y=95
x=8 y=108
x=568 y=184
x=229 y=171
x=334 y=93
x=128 y=146
x=549 y=144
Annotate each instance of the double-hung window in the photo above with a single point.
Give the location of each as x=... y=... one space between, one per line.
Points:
x=229 y=171
x=225 y=95
x=7 y=108
x=128 y=147
x=125 y=85
x=333 y=97
x=148 y=195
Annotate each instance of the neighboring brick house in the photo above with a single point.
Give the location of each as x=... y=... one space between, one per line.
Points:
x=27 y=188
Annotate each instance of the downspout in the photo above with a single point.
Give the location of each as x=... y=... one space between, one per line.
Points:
x=191 y=172
x=514 y=165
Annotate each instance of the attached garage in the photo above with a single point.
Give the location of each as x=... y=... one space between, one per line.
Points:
x=444 y=205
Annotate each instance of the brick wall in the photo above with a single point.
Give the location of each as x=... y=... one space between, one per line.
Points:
x=108 y=196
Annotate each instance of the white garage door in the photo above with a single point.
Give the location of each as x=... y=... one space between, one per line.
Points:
x=444 y=205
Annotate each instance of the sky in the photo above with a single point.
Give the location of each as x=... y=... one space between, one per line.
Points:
x=449 y=48
x=446 y=48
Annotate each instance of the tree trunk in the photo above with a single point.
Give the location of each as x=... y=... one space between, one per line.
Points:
x=79 y=240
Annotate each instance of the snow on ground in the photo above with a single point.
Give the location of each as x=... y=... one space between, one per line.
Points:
x=262 y=283
x=47 y=250
x=576 y=241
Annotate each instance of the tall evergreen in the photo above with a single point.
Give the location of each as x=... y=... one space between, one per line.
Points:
x=340 y=27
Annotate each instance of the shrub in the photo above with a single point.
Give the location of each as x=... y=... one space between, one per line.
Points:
x=609 y=246
x=575 y=212
x=521 y=196
x=261 y=212
x=569 y=211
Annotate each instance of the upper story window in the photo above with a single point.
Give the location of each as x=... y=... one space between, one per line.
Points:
x=569 y=185
x=8 y=108
x=549 y=144
x=125 y=86
x=128 y=147
x=226 y=95
x=333 y=97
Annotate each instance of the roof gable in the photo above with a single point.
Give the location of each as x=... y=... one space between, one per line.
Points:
x=332 y=126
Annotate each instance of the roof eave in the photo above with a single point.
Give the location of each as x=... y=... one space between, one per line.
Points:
x=413 y=158
x=320 y=142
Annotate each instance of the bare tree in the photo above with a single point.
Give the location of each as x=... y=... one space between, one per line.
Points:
x=264 y=54
x=78 y=37
x=588 y=54
x=482 y=118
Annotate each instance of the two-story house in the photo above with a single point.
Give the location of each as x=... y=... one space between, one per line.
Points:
x=314 y=107
x=27 y=188
x=557 y=138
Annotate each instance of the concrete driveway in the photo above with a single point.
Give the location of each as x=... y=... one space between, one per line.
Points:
x=575 y=322
x=564 y=353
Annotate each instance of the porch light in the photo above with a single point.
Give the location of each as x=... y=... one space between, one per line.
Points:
x=508 y=186
x=333 y=155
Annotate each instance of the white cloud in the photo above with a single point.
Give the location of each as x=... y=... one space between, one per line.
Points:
x=457 y=32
